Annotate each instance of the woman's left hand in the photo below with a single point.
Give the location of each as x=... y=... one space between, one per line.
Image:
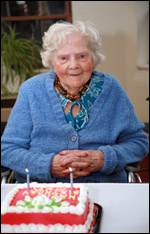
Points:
x=82 y=162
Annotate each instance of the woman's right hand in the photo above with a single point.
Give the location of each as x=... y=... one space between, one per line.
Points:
x=57 y=168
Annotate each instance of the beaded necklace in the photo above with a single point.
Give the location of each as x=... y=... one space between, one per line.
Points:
x=66 y=94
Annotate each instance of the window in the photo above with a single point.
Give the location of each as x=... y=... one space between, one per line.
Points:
x=143 y=34
x=33 y=18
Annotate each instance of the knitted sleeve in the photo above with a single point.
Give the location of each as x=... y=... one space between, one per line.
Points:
x=131 y=144
x=15 y=144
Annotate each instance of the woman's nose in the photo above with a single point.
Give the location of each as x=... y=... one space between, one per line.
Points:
x=73 y=63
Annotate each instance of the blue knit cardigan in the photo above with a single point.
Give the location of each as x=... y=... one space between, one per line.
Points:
x=37 y=130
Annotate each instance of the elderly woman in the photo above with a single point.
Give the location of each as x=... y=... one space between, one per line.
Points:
x=72 y=116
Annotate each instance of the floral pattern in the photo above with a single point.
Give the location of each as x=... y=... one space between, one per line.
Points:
x=85 y=103
x=41 y=201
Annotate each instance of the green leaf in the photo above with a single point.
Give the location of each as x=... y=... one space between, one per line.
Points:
x=40 y=206
x=19 y=56
x=30 y=206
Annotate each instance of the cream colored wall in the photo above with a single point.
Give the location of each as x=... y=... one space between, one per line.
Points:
x=117 y=24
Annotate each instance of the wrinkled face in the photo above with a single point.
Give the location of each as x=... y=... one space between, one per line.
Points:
x=73 y=62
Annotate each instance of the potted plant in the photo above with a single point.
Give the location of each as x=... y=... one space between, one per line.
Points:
x=20 y=57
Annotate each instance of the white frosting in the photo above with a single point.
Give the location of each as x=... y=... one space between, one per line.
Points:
x=57 y=228
x=78 y=209
x=41 y=200
x=58 y=199
x=20 y=203
x=65 y=203
x=27 y=198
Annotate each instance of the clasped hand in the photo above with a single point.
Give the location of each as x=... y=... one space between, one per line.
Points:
x=82 y=163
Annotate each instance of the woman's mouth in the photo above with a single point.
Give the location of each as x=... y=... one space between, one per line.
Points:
x=74 y=74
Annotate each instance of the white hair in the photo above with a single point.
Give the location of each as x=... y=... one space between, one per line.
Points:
x=58 y=32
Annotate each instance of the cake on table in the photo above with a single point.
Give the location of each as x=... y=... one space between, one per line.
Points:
x=47 y=208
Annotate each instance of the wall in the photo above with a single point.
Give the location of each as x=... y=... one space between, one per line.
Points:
x=117 y=24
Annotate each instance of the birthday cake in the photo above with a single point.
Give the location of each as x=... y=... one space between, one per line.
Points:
x=47 y=208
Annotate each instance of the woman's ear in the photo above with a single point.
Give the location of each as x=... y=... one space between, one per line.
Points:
x=52 y=64
x=53 y=61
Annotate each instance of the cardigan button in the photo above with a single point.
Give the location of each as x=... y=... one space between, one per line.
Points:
x=73 y=138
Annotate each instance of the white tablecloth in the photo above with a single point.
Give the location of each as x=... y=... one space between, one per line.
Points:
x=125 y=206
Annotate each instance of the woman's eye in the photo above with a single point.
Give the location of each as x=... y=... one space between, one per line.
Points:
x=82 y=56
x=63 y=58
